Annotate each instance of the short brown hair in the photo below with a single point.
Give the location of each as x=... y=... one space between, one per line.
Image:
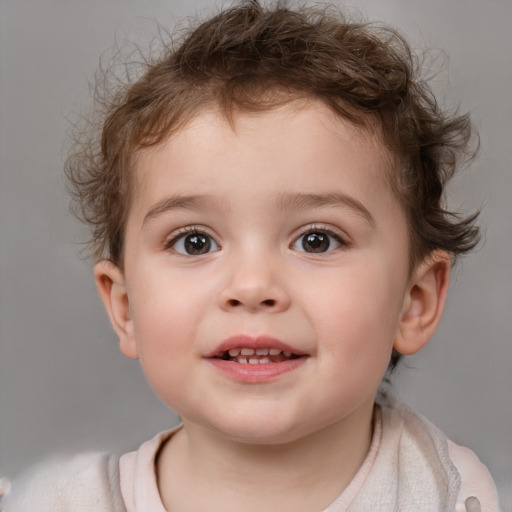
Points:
x=249 y=58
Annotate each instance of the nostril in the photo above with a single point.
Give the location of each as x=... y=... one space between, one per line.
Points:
x=235 y=303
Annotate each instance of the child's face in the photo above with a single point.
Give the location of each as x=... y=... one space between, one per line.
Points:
x=282 y=235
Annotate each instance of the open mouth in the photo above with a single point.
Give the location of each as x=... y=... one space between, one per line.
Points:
x=257 y=355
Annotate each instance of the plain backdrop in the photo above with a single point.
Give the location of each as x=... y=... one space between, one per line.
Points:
x=63 y=384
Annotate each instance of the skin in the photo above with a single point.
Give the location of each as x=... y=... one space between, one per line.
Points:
x=345 y=308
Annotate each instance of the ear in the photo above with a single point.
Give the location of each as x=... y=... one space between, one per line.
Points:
x=424 y=303
x=111 y=285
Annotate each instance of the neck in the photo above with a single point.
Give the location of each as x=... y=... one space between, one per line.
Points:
x=201 y=470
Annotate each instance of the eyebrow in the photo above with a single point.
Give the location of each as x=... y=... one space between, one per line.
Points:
x=335 y=199
x=176 y=203
x=285 y=202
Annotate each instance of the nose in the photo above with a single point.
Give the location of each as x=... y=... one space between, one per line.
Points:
x=254 y=285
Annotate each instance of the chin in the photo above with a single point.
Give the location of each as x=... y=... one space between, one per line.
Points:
x=263 y=430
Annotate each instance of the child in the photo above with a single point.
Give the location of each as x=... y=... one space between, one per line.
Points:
x=270 y=237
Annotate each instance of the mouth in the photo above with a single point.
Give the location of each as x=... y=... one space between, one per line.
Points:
x=244 y=349
x=263 y=355
x=256 y=360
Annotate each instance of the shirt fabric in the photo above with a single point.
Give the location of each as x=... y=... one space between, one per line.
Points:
x=410 y=466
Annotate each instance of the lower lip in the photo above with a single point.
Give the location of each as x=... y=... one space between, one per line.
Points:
x=255 y=373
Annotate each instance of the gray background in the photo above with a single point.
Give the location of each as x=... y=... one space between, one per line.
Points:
x=65 y=387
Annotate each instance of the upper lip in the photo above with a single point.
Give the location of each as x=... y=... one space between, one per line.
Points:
x=254 y=342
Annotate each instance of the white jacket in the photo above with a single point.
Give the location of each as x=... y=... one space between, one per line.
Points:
x=415 y=469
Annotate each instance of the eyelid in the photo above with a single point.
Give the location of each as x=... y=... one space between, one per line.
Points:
x=340 y=237
x=179 y=233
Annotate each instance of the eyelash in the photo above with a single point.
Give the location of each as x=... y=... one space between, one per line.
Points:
x=319 y=229
x=182 y=233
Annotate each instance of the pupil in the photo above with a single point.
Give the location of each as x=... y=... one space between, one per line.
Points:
x=197 y=244
x=315 y=242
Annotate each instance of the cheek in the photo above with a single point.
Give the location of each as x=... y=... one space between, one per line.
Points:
x=163 y=319
x=357 y=313
x=163 y=334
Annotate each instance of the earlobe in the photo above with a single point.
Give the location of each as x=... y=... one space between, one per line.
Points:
x=424 y=303
x=111 y=285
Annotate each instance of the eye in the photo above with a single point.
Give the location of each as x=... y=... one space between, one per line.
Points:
x=317 y=241
x=193 y=244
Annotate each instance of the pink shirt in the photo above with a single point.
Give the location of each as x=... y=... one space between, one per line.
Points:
x=410 y=466
x=139 y=487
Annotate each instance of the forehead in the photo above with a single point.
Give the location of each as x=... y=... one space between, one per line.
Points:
x=295 y=139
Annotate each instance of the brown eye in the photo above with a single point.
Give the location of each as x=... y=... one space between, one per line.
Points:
x=195 y=244
x=317 y=242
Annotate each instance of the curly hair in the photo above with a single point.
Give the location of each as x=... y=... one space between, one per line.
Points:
x=250 y=58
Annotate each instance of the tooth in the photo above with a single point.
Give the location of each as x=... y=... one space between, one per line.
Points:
x=262 y=351
x=242 y=360
x=264 y=360
x=234 y=352
x=286 y=353
x=274 y=351
x=254 y=360
x=247 y=351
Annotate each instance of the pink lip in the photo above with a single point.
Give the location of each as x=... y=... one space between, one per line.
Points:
x=254 y=373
